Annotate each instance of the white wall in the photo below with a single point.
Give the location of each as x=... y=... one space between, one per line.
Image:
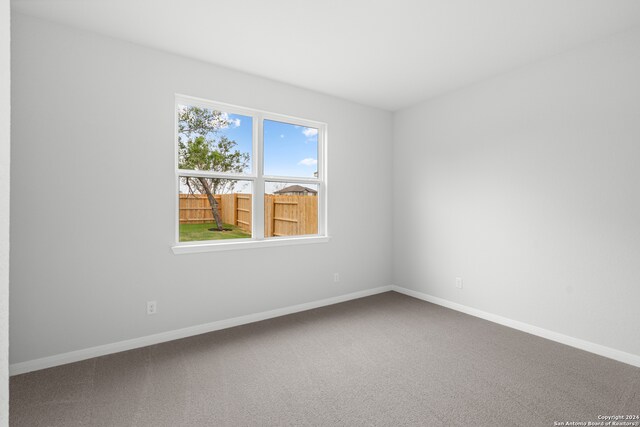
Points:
x=527 y=186
x=93 y=202
x=5 y=107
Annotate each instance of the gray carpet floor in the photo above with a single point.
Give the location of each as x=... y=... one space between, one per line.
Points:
x=387 y=360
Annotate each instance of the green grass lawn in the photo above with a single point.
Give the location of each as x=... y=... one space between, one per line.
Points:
x=194 y=232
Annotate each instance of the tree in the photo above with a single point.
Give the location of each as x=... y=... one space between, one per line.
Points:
x=201 y=148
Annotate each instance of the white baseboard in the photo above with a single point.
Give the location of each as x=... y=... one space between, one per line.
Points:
x=88 y=353
x=601 y=350
x=101 y=350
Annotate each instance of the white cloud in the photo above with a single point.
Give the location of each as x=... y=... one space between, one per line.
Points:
x=309 y=132
x=281 y=135
x=232 y=123
x=308 y=162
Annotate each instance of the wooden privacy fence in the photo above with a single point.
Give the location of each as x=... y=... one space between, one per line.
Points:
x=283 y=215
x=290 y=215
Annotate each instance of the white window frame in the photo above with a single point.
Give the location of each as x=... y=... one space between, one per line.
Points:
x=257 y=180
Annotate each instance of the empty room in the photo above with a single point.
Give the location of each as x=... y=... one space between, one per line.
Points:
x=320 y=213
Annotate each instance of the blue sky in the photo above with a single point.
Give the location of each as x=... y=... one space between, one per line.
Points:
x=289 y=150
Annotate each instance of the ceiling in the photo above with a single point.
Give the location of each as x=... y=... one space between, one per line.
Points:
x=387 y=54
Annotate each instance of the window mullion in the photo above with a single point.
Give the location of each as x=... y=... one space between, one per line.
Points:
x=212 y=174
x=292 y=179
x=258 y=191
x=322 y=185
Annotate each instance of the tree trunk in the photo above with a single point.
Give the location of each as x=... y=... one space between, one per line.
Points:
x=213 y=202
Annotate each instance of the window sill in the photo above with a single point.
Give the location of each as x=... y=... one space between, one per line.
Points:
x=191 y=248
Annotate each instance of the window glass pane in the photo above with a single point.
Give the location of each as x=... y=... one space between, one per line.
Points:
x=212 y=140
x=290 y=209
x=290 y=150
x=232 y=200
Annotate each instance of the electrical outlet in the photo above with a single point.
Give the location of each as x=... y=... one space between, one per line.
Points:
x=336 y=277
x=459 y=282
x=152 y=307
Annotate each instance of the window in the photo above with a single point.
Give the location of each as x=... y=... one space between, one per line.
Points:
x=247 y=178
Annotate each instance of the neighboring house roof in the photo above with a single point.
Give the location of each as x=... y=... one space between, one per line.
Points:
x=296 y=189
